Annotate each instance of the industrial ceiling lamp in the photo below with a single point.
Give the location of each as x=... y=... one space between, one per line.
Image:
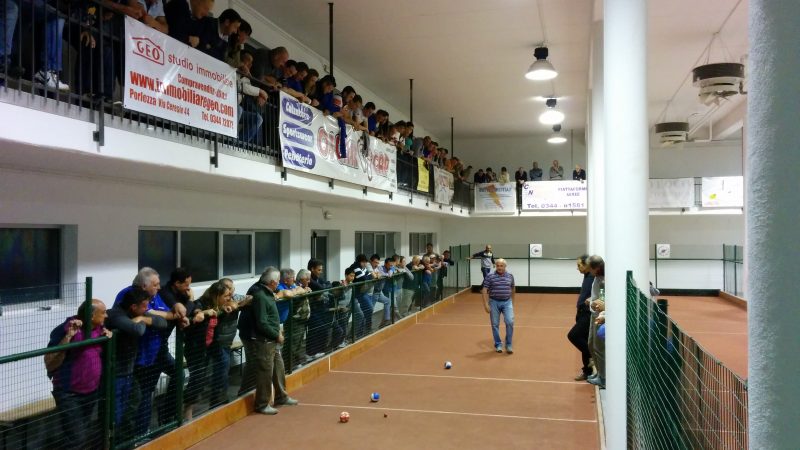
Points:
x=541 y=69
x=551 y=116
x=556 y=137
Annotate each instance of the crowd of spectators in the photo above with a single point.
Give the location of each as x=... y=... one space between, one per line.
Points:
x=262 y=72
x=319 y=315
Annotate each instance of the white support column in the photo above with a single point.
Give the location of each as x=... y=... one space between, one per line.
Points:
x=595 y=170
x=626 y=174
x=771 y=223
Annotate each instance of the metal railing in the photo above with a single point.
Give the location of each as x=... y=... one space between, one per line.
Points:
x=191 y=374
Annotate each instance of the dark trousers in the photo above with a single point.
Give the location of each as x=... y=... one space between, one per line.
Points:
x=485 y=271
x=146 y=379
x=579 y=336
x=219 y=358
x=264 y=370
x=197 y=362
x=78 y=424
x=341 y=316
x=319 y=324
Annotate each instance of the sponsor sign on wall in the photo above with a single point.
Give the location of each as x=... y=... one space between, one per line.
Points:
x=423 y=176
x=671 y=193
x=310 y=143
x=553 y=195
x=168 y=79
x=443 y=180
x=720 y=192
x=495 y=198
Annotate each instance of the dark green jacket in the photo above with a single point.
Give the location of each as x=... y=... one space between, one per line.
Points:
x=260 y=321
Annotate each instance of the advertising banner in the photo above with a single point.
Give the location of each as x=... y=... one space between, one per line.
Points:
x=423 y=176
x=671 y=193
x=310 y=143
x=443 y=192
x=721 y=192
x=553 y=195
x=168 y=79
x=495 y=198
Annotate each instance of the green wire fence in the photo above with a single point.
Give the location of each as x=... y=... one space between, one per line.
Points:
x=679 y=395
x=189 y=371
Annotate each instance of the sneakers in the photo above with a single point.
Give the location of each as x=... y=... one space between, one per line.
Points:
x=50 y=79
x=509 y=350
x=289 y=401
x=581 y=376
x=498 y=348
x=267 y=410
x=385 y=323
x=597 y=381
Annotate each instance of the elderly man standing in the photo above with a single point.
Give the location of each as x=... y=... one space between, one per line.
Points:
x=259 y=329
x=77 y=373
x=498 y=296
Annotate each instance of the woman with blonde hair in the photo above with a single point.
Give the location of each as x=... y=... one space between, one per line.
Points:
x=199 y=342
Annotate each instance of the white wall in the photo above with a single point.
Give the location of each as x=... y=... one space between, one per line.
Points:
x=108 y=216
x=689 y=236
x=712 y=159
x=513 y=152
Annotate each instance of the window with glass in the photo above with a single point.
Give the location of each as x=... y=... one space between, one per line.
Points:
x=30 y=264
x=209 y=254
x=369 y=243
x=418 y=241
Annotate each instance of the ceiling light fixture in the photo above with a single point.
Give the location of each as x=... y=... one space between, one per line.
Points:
x=551 y=116
x=556 y=137
x=541 y=69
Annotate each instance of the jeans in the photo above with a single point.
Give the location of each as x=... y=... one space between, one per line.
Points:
x=7 y=27
x=485 y=271
x=365 y=301
x=196 y=354
x=53 y=39
x=251 y=123
x=123 y=388
x=506 y=308
x=340 y=318
x=380 y=297
x=146 y=380
x=597 y=347
x=318 y=325
x=219 y=357
x=75 y=412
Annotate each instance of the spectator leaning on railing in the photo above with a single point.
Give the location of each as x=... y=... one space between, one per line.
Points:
x=578 y=173
x=199 y=342
x=217 y=31
x=251 y=99
x=556 y=171
x=130 y=320
x=220 y=352
x=535 y=174
x=154 y=16
x=185 y=19
x=236 y=44
x=77 y=373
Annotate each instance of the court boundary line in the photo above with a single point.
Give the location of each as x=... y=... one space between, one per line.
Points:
x=484 y=325
x=456 y=377
x=456 y=413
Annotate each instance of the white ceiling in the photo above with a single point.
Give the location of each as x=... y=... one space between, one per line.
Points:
x=468 y=57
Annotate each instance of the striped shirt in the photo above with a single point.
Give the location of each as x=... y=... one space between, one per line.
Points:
x=500 y=287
